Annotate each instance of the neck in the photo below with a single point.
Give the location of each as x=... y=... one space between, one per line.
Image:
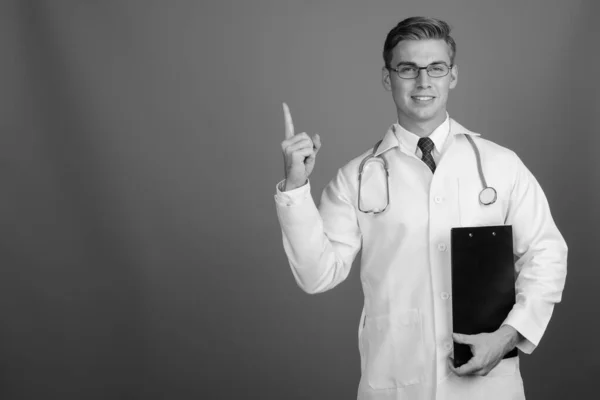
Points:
x=421 y=128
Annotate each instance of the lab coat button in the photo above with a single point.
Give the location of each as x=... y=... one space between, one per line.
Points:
x=448 y=345
x=438 y=199
x=445 y=295
x=442 y=247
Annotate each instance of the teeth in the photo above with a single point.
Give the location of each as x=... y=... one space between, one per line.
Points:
x=423 y=97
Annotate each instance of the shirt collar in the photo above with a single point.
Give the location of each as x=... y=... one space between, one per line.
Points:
x=394 y=137
x=409 y=140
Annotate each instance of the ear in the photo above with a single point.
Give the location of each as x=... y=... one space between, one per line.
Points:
x=453 y=76
x=386 y=79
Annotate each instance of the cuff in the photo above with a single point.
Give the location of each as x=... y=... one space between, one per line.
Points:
x=291 y=197
x=527 y=343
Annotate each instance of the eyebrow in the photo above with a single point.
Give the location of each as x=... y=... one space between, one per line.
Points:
x=415 y=64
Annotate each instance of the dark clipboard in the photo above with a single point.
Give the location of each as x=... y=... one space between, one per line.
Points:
x=483 y=282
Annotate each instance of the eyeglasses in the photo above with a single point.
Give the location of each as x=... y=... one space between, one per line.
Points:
x=411 y=71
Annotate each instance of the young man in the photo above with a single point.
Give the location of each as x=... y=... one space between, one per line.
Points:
x=405 y=332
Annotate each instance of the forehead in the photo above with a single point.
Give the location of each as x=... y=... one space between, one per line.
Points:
x=421 y=52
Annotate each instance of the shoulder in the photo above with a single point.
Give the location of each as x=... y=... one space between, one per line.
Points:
x=493 y=151
x=352 y=167
x=499 y=162
x=346 y=178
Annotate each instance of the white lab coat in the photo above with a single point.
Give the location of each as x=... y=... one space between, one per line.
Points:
x=404 y=335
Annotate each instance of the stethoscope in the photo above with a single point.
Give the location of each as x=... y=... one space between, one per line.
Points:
x=487 y=196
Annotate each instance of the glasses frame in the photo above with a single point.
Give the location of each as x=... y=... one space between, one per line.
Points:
x=426 y=68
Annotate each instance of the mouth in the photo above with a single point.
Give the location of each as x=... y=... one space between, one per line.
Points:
x=423 y=99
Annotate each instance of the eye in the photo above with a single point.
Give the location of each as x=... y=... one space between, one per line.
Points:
x=437 y=68
x=407 y=69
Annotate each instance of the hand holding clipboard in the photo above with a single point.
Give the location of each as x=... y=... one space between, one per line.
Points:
x=483 y=290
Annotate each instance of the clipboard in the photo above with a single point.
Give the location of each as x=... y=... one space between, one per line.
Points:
x=483 y=282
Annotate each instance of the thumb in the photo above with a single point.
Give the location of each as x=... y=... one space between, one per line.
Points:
x=316 y=142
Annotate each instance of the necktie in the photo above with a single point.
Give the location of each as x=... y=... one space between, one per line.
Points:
x=426 y=145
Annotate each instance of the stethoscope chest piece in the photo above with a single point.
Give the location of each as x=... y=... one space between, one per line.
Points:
x=488 y=196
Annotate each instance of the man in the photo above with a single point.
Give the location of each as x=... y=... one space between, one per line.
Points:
x=405 y=332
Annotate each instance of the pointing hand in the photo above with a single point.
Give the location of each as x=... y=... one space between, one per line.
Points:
x=299 y=153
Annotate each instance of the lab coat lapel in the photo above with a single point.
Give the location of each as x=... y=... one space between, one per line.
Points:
x=388 y=142
x=455 y=129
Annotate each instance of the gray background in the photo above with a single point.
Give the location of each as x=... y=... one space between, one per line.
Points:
x=139 y=151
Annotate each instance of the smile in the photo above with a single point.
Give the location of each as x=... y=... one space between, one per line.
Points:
x=423 y=98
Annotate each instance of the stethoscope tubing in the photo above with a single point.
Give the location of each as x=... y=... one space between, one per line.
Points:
x=487 y=196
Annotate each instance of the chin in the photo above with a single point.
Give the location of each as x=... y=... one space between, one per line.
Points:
x=425 y=115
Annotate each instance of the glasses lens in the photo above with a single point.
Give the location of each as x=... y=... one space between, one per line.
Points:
x=437 y=70
x=407 y=72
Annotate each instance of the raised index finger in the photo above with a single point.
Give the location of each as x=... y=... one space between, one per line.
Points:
x=289 y=125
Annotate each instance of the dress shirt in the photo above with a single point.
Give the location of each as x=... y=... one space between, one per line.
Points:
x=439 y=135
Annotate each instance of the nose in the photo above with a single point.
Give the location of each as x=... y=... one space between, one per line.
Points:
x=423 y=79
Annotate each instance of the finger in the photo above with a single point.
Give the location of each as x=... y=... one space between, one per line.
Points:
x=311 y=158
x=317 y=142
x=471 y=367
x=289 y=125
x=463 y=339
x=295 y=139
x=303 y=153
x=302 y=144
x=451 y=364
x=457 y=371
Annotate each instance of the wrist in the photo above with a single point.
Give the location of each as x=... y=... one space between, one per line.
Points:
x=287 y=185
x=510 y=336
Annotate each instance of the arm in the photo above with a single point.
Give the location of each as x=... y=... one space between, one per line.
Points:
x=541 y=269
x=542 y=259
x=320 y=244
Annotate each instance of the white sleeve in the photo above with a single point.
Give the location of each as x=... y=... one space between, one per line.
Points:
x=320 y=244
x=542 y=259
x=291 y=197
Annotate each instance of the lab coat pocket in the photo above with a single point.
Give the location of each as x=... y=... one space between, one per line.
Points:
x=471 y=211
x=395 y=356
